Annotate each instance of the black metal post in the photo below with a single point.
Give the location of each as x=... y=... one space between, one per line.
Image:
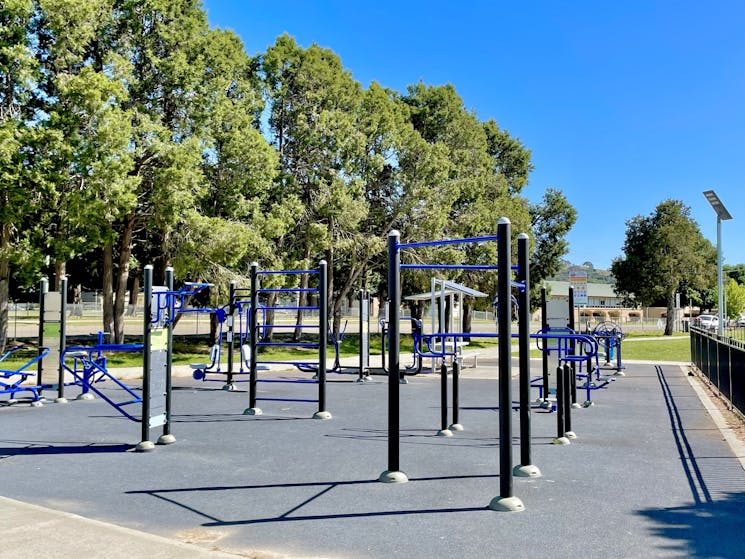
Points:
x=504 y=321
x=231 y=331
x=145 y=443
x=444 y=431
x=393 y=473
x=62 y=337
x=560 y=405
x=43 y=289
x=523 y=277
x=167 y=437
x=253 y=340
x=568 y=375
x=456 y=426
x=323 y=328
x=544 y=353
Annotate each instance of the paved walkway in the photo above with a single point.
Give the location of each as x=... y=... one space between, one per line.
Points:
x=650 y=475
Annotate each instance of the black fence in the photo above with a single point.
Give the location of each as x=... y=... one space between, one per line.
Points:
x=722 y=361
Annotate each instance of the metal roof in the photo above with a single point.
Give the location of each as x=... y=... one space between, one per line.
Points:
x=451 y=288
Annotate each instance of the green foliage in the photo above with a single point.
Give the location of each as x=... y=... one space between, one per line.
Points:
x=735 y=299
x=663 y=253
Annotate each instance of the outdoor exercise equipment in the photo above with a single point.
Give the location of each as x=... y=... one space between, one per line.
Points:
x=258 y=327
x=416 y=334
x=610 y=335
x=52 y=334
x=14 y=380
x=506 y=500
x=87 y=364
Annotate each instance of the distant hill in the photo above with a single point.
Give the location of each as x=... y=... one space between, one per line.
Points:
x=594 y=275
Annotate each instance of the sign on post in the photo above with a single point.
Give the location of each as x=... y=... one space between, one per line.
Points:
x=578 y=280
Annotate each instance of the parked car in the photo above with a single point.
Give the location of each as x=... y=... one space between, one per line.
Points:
x=740 y=320
x=706 y=321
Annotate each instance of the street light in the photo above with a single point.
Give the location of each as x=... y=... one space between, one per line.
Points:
x=722 y=214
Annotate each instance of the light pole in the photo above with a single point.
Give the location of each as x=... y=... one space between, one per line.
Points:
x=722 y=215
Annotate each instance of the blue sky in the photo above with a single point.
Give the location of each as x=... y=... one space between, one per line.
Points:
x=622 y=104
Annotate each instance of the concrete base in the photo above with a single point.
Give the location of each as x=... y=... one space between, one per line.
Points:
x=61 y=400
x=252 y=411
x=526 y=471
x=456 y=427
x=322 y=415
x=544 y=404
x=444 y=433
x=37 y=404
x=85 y=396
x=393 y=477
x=570 y=435
x=588 y=404
x=620 y=374
x=403 y=381
x=576 y=405
x=166 y=439
x=506 y=504
x=145 y=446
x=560 y=441
x=230 y=387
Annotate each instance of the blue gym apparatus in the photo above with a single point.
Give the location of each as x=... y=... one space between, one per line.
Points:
x=259 y=325
x=14 y=380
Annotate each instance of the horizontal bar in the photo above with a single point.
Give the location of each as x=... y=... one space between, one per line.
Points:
x=288 y=290
x=444 y=242
x=288 y=400
x=448 y=267
x=287 y=272
x=287 y=363
x=287 y=309
x=288 y=344
x=266 y=326
x=299 y=380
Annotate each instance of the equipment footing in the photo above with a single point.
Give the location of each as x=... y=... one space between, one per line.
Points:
x=166 y=439
x=576 y=405
x=620 y=374
x=230 y=387
x=456 y=427
x=37 y=404
x=560 y=441
x=145 y=446
x=570 y=435
x=444 y=433
x=403 y=381
x=588 y=404
x=322 y=415
x=393 y=477
x=85 y=396
x=252 y=411
x=526 y=471
x=61 y=400
x=507 y=504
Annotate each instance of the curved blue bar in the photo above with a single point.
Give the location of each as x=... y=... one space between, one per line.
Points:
x=288 y=290
x=286 y=272
x=448 y=267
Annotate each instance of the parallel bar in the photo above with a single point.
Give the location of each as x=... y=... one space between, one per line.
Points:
x=231 y=330
x=444 y=242
x=288 y=290
x=544 y=354
x=447 y=267
x=62 y=336
x=169 y=351
x=285 y=272
x=145 y=423
x=394 y=317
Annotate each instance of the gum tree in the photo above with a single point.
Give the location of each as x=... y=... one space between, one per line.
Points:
x=662 y=252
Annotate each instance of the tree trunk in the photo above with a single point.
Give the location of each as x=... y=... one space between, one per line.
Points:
x=4 y=284
x=60 y=270
x=670 y=319
x=267 y=334
x=467 y=311
x=107 y=289
x=125 y=252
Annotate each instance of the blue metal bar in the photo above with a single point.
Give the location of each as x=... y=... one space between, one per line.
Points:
x=309 y=345
x=288 y=400
x=315 y=363
x=283 y=308
x=444 y=242
x=289 y=290
x=292 y=326
x=286 y=272
x=448 y=267
x=300 y=381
